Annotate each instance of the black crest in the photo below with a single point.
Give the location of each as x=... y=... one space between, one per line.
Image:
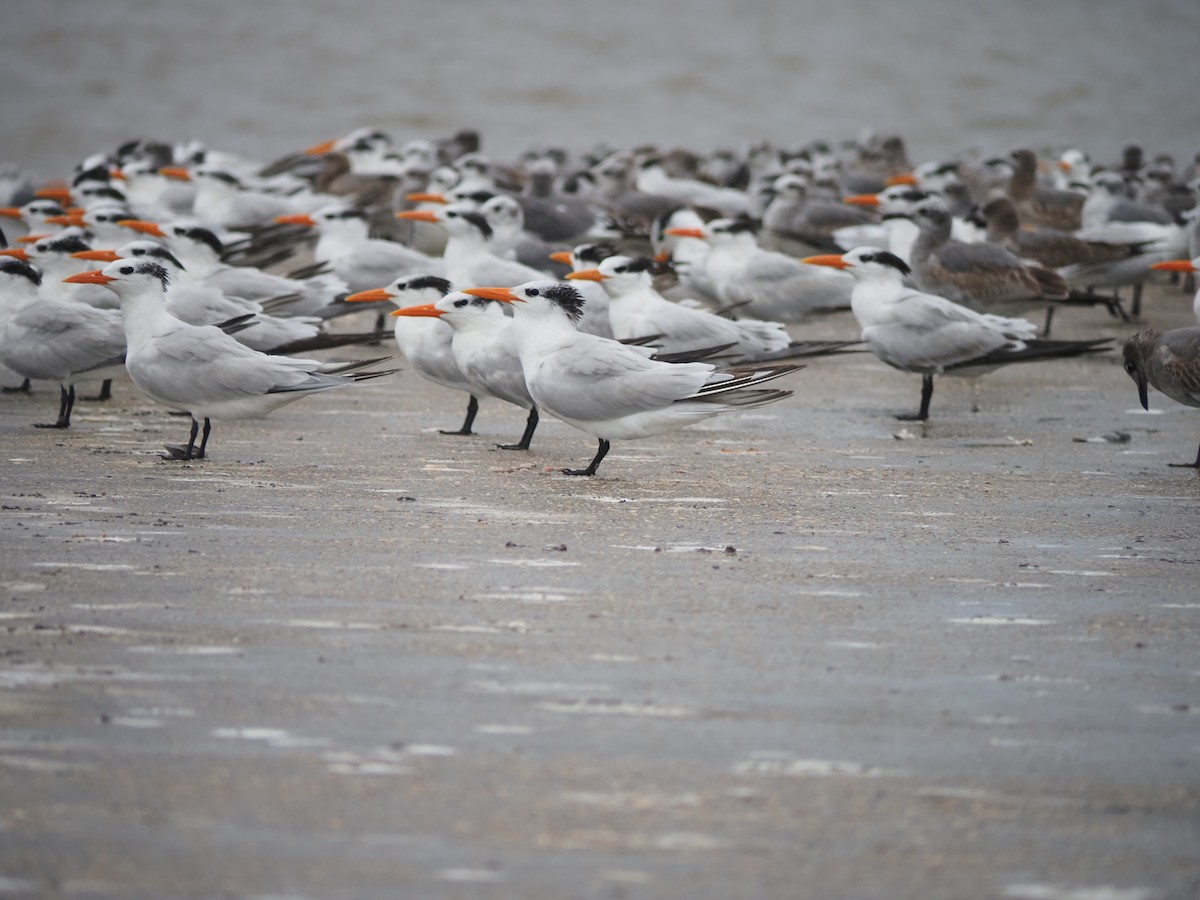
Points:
x=889 y=259
x=148 y=268
x=594 y=253
x=157 y=252
x=68 y=243
x=421 y=282
x=20 y=268
x=202 y=236
x=565 y=297
x=479 y=222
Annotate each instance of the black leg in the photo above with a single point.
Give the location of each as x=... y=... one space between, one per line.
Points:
x=926 y=396
x=1195 y=465
x=530 y=427
x=25 y=388
x=1049 y=319
x=472 y=409
x=594 y=464
x=105 y=391
x=204 y=437
x=176 y=451
x=66 y=402
x=1135 y=305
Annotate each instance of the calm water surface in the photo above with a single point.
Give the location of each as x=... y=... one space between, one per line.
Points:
x=268 y=77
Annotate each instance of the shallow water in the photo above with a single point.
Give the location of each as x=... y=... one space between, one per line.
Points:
x=270 y=77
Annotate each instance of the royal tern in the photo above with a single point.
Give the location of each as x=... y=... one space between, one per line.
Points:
x=607 y=389
x=595 y=319
x=201 y=370
x=1171 y=362
x=201 y=252
x=49 y=337
x=425 y=341
x=636 y=310
x=770 y=285
x=930 y=335
x=362 y=262
x=652 y=178
x=198 y=303
x=468 y=257
x=485 y=350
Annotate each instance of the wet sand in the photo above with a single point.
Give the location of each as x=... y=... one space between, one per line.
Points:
x=808 y=651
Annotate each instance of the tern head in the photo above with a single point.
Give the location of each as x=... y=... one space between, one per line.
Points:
x=125 y=274
x=193 y=235
x=864 y=262
x=408 y=290
x=37 y=210
x=17 y=272
x=458 y=219
x=502 y=211
x=618 y=274
x=542 y=298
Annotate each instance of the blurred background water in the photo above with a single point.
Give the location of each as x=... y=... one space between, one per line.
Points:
x=267 y=77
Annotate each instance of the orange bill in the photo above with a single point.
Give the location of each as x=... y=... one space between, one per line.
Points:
x=424 y=197
x=1174 y=265
x=97 y=255
x=372 y=296
x=142 y=227
x=425 y=309
x=417 y=215
x=586 y=275
x=862 y=200
x=686 y=232
x=93 y=277
x=833 y=260
x=298 y=219
x=503 y=294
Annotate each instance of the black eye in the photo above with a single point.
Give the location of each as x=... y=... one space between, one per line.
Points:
x=126 y=270
x=139 y=252
x=621 y=269
x=532 y=292
x=461 y=303
x=1130 y=367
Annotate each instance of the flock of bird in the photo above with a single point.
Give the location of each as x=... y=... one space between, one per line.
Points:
x=626 y=292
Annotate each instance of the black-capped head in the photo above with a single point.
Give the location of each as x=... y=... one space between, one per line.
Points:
x=154 y=252
x=18 y=268
x=199 y=235
x=591 y=254
x=424 y=282
x=559 y=293
x=129 y=268
x=63 y=244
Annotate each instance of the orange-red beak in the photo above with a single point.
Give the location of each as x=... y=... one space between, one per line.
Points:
x=907 y=178
x=142 y=227
x=59 y=192
x=686 y=232
x=372 y=296
x=562 y=256
x=15 y=253
x=321 y=149
x=31 y=238
x=1174 y=265
x=97 y=255
x=586 y=275
x=298 y=219
x=833 y=260
x=862 y=200
x=417 y=215
x=503 y=294
x=179 y=173
x=423 y=197
x=11 y=212
x=425 y=309
x=93 y=277
x=68 y=219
